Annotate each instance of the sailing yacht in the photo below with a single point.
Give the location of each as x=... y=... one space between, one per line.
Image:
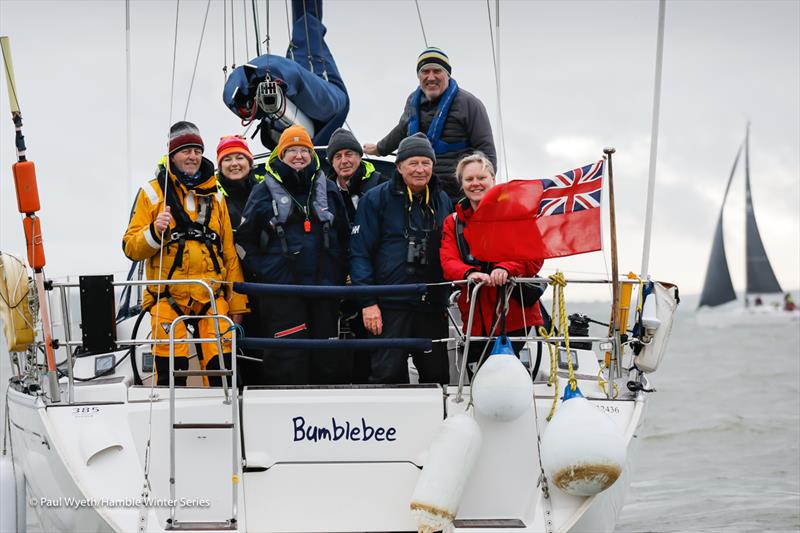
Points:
x=94 y=445
x=762 y=303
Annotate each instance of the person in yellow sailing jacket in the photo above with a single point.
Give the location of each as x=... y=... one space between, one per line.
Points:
x=185 y=234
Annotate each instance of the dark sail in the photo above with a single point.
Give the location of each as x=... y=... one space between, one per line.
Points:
x=760 y=276
x=718 y=287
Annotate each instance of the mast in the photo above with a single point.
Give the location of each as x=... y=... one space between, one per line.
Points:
x=760 y=276
x=651 y=182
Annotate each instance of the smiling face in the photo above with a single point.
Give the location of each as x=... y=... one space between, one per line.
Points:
x=476 y=181
x=416 y=172
x=235 y=166
x=433 y=80
x=188 y=160
x=297 y=157
x=345 y=163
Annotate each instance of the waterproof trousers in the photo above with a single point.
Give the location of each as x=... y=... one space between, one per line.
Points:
x=391 y=365
x=165 y=313
x=299 y=318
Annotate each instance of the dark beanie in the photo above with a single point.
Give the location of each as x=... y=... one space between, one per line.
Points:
x=183 y=135
x=342 y=139
x=434 y=56
x=416 y=145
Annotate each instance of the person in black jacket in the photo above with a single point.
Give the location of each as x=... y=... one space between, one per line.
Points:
x=395 y=240
x=236 y=177
x=294 y=230
x=354 y=177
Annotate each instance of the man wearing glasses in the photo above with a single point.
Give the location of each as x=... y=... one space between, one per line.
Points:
x=294 y=230
x=395 y=240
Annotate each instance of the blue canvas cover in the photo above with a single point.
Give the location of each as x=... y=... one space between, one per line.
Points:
x=325 y=101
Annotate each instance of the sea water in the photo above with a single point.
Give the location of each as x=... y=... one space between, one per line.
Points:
x=720 y=449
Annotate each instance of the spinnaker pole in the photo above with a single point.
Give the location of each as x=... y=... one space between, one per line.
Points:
x=651 y=182
x=28 y=204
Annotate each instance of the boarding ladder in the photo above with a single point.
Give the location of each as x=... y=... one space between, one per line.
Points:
x=230 y=398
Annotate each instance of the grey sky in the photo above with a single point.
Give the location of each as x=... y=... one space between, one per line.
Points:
x=576 y=76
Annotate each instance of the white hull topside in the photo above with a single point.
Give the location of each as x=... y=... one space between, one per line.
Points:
x=730 y=316
x=83 y=463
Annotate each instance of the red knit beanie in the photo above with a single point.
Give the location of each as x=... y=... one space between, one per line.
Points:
x=233 y=144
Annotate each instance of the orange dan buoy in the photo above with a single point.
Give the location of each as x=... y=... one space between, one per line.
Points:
x=33 y=239
x=27 y=189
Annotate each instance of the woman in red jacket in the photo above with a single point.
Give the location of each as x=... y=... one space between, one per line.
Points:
x=476 y=175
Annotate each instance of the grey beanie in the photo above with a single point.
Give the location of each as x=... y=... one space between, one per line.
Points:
x=343 y=139
x=416 y=145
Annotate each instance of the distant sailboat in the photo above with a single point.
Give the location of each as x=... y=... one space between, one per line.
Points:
x=761 y=280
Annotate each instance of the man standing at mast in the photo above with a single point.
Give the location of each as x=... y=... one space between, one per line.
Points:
x=454 y=120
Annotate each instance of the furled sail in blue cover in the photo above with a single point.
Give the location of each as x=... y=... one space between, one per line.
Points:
x=308 y=76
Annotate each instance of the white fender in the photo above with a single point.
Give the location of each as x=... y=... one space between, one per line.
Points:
x=451 y=458
x=502 y=388
x=8 y=495
x=583 y=450
x=657 y=314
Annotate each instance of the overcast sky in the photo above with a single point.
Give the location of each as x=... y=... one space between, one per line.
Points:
x=575 y=77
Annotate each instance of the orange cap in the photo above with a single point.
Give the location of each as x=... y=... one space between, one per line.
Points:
x=294 y=136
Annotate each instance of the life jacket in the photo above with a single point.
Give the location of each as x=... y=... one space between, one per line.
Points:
x=436 y=127
x=283 y=204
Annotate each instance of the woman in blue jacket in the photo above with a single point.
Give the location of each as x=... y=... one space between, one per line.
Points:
x=294 y=231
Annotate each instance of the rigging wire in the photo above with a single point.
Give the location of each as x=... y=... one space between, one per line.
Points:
x=174 y=54
x=308 y=40
x=267 y=38
x=421 y=25
x=319 y=41
x=197 y=59
x=233 y=37
x=224 y=41
x=256 y=29
x=129 y=173
x=289 y=31
x=495 y=61
x=146 y=486
x=246 y=40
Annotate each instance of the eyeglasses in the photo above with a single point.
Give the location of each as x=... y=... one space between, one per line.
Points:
x=297 y=150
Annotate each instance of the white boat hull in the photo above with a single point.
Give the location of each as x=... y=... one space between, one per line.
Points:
x=746 y=316
x=84 y=464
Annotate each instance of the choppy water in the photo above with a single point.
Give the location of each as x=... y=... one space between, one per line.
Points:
x=720 y=451
x=721 y=445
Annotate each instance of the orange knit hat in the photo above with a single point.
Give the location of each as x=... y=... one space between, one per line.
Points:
x=294 y=136
x=233 y=144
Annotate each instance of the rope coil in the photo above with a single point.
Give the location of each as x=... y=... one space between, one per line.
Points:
x=559 y=282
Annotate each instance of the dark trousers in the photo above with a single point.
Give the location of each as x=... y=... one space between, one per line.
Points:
x=391 y=365
x=249 y=371
x=296 y=318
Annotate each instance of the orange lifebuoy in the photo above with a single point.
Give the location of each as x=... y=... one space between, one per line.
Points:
x=27 y=189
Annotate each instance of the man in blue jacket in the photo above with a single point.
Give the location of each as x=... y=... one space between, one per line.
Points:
x=395 y=240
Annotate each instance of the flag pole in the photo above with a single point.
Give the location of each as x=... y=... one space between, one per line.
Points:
x=613 y=328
